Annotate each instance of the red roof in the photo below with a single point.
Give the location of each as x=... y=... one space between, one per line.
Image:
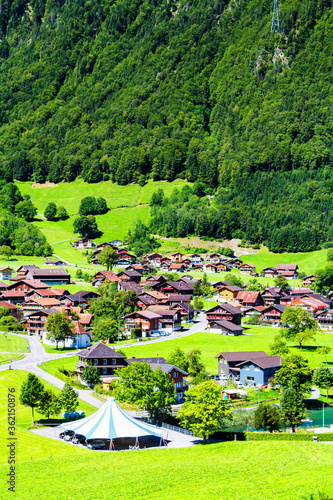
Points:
x=248 y=297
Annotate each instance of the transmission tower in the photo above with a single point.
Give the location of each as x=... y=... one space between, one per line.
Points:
x=275 y=28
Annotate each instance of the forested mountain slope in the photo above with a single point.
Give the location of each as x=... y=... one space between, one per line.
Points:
x=199 y=89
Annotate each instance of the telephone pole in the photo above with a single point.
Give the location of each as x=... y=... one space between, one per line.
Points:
x=275 y=28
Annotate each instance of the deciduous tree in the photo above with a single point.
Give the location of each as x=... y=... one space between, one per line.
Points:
x=108 y=257
x=203 y=410
x=292 y=408
x=294 y=373
x=59 y=327
x=49 y=404
x=91 y=375
x=267 y=417
x=298 y=325
x=50 y=211
x=323 y=378
x=31 y=393
x=69 y=398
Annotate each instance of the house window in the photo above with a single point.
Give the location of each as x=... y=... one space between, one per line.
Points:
x=175 y=374
x=105 y=370
x=95 y=362
x=256 y=369
x=105 y=361
x=114 y=361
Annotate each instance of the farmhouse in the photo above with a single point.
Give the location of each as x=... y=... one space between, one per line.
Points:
x=224 y=312
x=269 y=272
x=252 y=368
x=55 y=276
x=148 y=321
x=5 y=273
x=325 y=319
x=247 y=269
x=225 y=328
x=273 y=313
x=105 y=359
x=225 y=293
x=83 y=243
x=249 y=299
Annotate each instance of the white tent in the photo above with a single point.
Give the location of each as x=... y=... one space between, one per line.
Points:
x=111 y=422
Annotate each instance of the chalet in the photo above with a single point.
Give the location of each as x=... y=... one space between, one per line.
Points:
x=85 y=319
x=14 y=310
x=101 y=276
x=55 y=276
x=235 y=262
x=222 y=267
x=5 y=273
x=176 y=287
x=300 y=292
x=35 y=322
x=210 y=268
x=272 y=295
x=148 y=321
x=258 y=371
x=224 y=312
x=187 y=262
x=116 y=243
x=196 y=259
x=247 y=269
x=273 y=314
x=177 y=257
x=250 y=312
x=12 y=296
x=252 y=368
x=153 y=257
x=309 y=304
x=105 y=359
x=225 y=328
x=269 y=272
x=228 y=361
x=25 y=285
x=213 y=258
x=289 y=271
x=22 y=270
x=175 y=298
x=171 y=320
x=325 y=319
x=3 y=286
x=143 y=301
x=309 y=280
x=136 y=267
x=130 y=276
x=225 y=293
x=56 y=262
x=130 y=286
x=248 y=299
x=177 y=268
x=83 y=243
x=32 y=305
x=186 y=311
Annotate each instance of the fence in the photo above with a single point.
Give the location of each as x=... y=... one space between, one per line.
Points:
x=158 y=423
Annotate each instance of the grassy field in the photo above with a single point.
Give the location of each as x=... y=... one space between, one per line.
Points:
x=13 y=343
x=257 y=471
x=52 y=366
x=258 y=338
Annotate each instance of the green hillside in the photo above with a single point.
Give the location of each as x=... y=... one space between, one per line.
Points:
x=134 y=90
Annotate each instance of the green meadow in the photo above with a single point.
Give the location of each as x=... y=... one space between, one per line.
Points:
x=257 y=338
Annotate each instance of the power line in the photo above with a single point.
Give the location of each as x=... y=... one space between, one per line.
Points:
x=275 y=28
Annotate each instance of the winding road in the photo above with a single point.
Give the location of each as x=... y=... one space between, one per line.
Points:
x=37 y=356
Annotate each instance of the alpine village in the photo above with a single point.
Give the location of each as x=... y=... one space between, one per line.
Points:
x=166 y=249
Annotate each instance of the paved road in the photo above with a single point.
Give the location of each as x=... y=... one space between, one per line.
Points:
x=37 y=356
x=315 y=394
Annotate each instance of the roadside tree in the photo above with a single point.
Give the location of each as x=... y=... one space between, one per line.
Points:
x=69 y=398
x=59 y=327
x=299 y=325
x=294 y=373
x=323 y=378
x=31 y=393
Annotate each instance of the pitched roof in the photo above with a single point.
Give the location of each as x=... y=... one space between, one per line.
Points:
x=287 y=267
x=36 y=284
x=241 y=355
x=264 y=362
x=131 y=274
x=248 y=297
x=3 y=303
x=13 y=293
x=100 y=350
x=179 y=298
x=57 y=271
x=226 y=307
x=228 y=325
x=144 y=314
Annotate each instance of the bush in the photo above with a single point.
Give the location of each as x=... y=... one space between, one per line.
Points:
x=135 y=333
x=288 y=436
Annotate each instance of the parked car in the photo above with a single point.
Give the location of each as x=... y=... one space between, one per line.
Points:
x=215 y=377
x=79 y=439
x=66 y=435
x=97 y=445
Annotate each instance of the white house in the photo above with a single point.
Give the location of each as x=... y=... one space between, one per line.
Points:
x=79 y=341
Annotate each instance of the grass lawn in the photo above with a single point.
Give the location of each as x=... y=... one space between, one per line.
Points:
x=50 y=349
x=258 y=471
x=52 y=366
x=211 y=344
x=13 y=343
x=5 y=358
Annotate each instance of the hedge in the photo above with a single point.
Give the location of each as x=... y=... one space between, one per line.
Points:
x=288 y=436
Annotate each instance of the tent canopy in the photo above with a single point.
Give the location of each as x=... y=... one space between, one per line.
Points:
x=111 y=422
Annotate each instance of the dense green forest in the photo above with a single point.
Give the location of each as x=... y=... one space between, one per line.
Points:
x=130 y=89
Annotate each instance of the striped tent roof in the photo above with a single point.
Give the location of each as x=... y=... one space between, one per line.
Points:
x=111 y=422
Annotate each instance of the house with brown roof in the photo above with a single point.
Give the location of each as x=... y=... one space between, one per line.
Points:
x=252 y=367
x=83 y=243
x=210 y=268
x=14 y=310
x=177 y=268
x=147 y=321
x=289 y=271
x=101 y=276
x=247 y=269
x=177 y=257
x=269 y=272
x=249 y=299
x=225 y=293
x=309 y=281
x=104 y=358
x=224 y=312
x=272 y=295
x=53 y=276
x=273 y=313
x=130 y=276
x=225 y=328
x=6 y=273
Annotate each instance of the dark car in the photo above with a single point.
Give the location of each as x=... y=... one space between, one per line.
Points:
x=97 y=445
x=79 y=439
x=66 y=435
